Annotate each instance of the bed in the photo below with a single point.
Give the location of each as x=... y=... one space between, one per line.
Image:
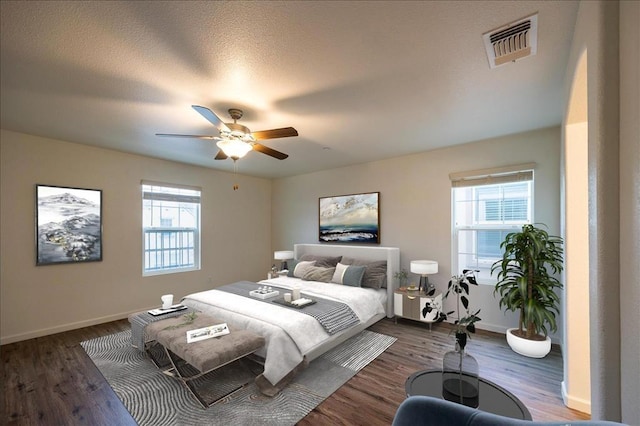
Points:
x=294 y=338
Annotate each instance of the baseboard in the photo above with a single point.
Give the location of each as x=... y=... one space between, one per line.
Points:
x=491 y=327
x=575 y=403
x=502 y=330
x=65 y=327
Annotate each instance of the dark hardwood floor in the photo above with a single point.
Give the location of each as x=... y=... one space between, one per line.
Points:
x=51 y=381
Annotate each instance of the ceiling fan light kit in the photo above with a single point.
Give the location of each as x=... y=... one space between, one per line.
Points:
x=234 y=148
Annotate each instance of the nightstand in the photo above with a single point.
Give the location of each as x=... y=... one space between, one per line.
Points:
x=409 y=304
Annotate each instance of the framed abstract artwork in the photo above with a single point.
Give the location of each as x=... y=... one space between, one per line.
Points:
x=353 y=218
x=68 y=225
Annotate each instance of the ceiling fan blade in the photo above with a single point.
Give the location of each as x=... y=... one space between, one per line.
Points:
x=211 y=117
x=220 y=155
x=269 y=151
x=171 y=135
x=285 y=132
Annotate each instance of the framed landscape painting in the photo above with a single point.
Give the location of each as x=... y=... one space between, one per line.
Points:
x=351 y=218
x=68 y=225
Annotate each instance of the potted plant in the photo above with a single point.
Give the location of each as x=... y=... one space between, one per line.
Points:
x=526 y=282
x=464 y=325
x=402 y=276
x=460 y=372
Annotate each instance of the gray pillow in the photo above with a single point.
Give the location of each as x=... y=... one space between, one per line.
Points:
x=318 y=273
x=375 y=274
x=302 y=267
x=324 y=261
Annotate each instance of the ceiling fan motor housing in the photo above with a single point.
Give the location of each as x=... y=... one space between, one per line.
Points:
x=235 y=113
x=239 y=131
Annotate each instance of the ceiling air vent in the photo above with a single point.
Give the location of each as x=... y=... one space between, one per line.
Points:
x=513 y=41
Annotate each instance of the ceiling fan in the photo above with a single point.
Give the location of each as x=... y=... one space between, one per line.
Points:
x=236 y=140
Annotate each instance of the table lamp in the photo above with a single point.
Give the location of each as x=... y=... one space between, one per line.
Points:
x=424 y=268
x=283 y=255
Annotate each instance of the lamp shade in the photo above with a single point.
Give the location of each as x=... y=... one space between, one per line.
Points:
x=424 y=267
x=283 y=255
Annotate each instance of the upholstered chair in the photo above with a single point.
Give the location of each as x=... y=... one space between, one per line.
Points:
x=429 y=411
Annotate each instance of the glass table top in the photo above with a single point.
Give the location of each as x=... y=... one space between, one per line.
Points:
x=493 y=398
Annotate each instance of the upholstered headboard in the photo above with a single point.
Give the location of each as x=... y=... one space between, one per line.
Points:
x=390 y=254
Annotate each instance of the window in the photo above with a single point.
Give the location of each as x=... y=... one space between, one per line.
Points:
x=485 y=209
x=170 y=228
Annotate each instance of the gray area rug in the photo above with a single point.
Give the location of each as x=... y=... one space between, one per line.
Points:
x=154 y=398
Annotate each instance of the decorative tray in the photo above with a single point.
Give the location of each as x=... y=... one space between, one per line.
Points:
x=303 y=303
x=263 y=294
x=161 y=311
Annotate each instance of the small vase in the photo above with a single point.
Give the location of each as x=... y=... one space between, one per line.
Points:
x=460 y=382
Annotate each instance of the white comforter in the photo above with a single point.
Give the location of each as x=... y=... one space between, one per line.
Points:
x=289 y=334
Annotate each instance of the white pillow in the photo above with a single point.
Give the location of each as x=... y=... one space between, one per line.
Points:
x=303 y=267
x=339 y=273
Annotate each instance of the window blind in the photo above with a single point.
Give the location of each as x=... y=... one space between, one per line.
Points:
x=493 y=176
x=170 y=192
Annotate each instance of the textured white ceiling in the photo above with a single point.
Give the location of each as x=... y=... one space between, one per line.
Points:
x=360 y=81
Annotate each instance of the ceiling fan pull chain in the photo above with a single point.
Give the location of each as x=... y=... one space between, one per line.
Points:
x=235 y=171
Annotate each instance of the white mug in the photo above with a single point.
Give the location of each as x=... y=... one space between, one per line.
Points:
x=296 y=293
x=167 y=301
x=287 y=297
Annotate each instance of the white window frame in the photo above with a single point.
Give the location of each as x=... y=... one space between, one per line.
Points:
x=479 y=178
x=192 y=195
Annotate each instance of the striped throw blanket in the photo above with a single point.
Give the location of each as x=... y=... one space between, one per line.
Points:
x=333 y=316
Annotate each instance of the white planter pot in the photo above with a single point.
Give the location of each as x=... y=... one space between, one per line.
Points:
x=530 y=348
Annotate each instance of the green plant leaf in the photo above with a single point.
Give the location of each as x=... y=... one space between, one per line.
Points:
x=465 y=302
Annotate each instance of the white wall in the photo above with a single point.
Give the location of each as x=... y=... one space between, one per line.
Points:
x=236 y=235
x=415 y=202
x=630 y=209
x=576 y=385
x=596 y=33
x=608 y=31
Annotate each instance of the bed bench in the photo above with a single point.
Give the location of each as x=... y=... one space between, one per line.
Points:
x=204 y=355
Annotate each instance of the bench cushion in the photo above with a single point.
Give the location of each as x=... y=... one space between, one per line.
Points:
x=206 y=354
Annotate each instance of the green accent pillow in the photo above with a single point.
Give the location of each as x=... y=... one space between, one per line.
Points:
x=348 y=275
x=375 y=274
x=353 y=276
x=291 y=265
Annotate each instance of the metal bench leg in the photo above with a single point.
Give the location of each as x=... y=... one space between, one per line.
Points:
x=187 y=380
